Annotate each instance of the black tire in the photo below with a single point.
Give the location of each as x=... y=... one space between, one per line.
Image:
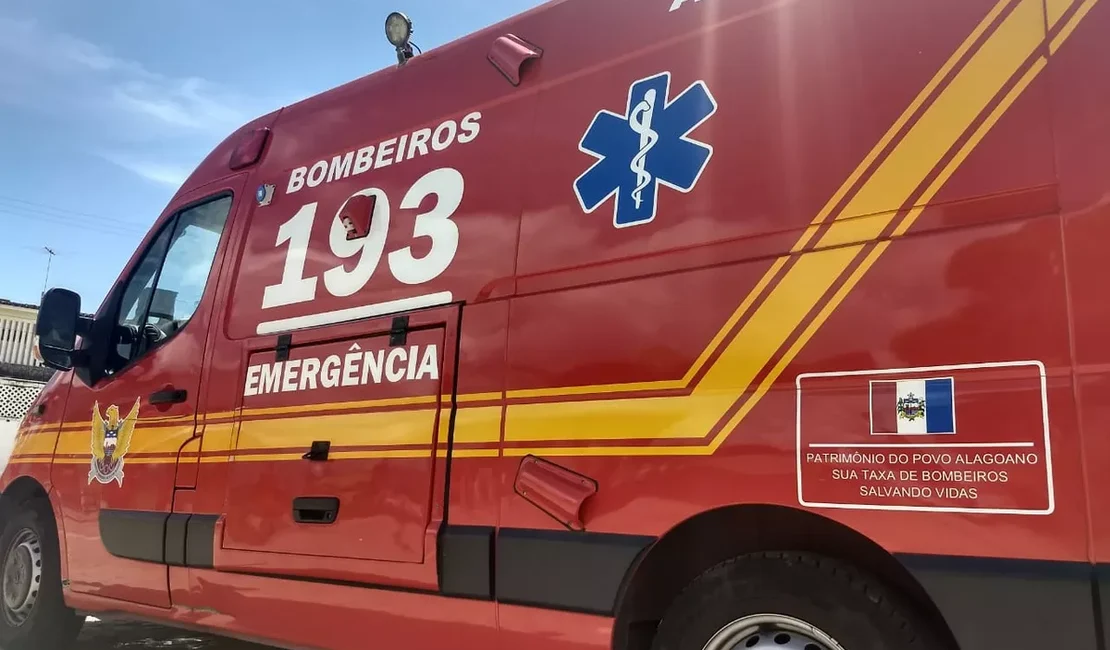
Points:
x=837 y=599
x=49 y=623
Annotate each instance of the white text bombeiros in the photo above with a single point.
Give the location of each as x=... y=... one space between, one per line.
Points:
x=394 y=150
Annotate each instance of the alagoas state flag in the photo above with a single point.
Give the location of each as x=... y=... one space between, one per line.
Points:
x=913 y=406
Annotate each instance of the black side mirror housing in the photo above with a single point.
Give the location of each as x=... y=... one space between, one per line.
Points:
x=58 y=325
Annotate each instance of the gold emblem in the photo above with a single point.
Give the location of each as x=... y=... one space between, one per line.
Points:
x=111 y=440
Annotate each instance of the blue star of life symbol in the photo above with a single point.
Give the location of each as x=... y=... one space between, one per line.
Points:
x=646 y=147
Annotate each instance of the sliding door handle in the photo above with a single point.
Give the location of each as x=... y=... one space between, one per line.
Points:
x=315 y=510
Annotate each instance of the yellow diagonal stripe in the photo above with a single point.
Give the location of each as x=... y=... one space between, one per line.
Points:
x=807 y=235
x=978 y=81
x=1056 y=9
x=1070 y=26
x=799 y=294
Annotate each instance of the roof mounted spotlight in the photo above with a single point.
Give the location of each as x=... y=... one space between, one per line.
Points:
x=398 y=30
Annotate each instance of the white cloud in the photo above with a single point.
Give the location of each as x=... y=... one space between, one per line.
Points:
x=111 y=102
x=186 y=103
x=47 y=66
x=157 y=172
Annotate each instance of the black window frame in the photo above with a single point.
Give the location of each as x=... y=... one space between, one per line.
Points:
x=113 y=315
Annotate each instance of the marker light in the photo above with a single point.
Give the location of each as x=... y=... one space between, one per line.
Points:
x=249 y=149
x=398 y=29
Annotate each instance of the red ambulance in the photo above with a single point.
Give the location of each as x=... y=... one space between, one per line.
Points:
x=669 y=324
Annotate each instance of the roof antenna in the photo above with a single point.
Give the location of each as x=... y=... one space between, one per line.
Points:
x=398 y=30
x=49 y=258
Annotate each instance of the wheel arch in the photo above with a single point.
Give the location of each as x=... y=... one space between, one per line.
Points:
x=26 y=488
x=708 y=538
x=23 y=489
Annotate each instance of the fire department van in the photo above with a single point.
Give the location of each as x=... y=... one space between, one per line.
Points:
x=671 y=324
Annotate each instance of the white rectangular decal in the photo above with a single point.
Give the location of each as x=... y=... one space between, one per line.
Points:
x=967 y=438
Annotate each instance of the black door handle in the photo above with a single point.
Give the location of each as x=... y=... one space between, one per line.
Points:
x=315 y=510
x=169 y=396
x=318 y=451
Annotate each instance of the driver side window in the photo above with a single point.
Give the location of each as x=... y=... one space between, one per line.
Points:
x=168 y=283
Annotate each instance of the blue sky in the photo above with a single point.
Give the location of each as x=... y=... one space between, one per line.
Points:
x=106 y=106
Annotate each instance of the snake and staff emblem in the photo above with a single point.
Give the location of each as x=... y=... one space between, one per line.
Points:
x=645 y=147
x=640 y=120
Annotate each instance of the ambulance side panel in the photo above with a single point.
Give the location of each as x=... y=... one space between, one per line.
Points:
x=1081 y=92
x=856 y=200
x=687 y=368
x=442 y=231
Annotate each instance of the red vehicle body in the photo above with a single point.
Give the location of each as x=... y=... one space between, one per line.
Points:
x=862 y=318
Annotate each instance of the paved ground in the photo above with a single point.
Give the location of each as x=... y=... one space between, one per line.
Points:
x=113 y=635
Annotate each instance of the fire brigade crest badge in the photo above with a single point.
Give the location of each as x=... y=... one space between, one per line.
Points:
x=111 y=440
x=911 y=408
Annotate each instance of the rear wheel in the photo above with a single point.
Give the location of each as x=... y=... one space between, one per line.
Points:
x=33 y=613
x=788 y=601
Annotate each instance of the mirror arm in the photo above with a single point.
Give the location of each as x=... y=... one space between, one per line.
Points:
x=84 y=325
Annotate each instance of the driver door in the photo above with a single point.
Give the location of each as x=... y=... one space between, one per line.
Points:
x=117 y=457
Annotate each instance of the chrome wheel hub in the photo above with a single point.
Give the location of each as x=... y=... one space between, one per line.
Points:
x=766 y=631
x=22 y=576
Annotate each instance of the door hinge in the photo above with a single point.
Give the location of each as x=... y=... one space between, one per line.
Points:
x=399 y=332
x=284 y=342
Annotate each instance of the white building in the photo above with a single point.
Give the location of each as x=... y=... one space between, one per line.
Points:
x=22 y=375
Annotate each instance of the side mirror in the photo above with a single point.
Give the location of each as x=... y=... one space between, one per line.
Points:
x=58 y=325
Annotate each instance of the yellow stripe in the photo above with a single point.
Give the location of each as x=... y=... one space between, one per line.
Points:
x=478 y=397
x=973 y=141
x=881 y=247
x=337 y=455
x=470 y=453
x=866 y=215
x=217 y=437
x=616 y=419
x=191 y=447
x=928 y=140
x=797 y=346
x=775 y=320
x=569 y=391
x=36 y=444
x=1055 y=10
x=902 y=120
x=1070 y=26
x=143 y=423
x=172 y=460
x=878 y=250
x=37 y=428
x=473 y=425
x=823 y=215
x=156 y=440
x=630 y=450
x=969 y=93
x=345 y=406
x=381 y=429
